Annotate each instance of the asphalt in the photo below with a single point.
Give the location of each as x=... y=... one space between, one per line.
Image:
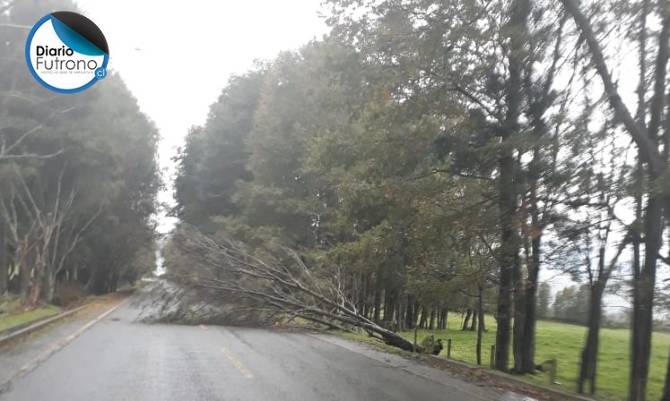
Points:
x=120 y=358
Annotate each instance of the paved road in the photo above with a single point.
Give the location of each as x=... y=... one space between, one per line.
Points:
x=121 y=359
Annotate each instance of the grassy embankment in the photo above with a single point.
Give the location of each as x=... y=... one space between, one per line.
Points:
x=563 y=342
x=14 y=317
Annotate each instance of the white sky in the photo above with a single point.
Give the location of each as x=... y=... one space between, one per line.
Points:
x=176 y=57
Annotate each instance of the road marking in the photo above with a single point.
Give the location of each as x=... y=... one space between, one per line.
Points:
x=238 y=365
x=55 y=347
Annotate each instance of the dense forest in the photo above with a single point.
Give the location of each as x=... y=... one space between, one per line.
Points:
x=78 y=178
x=435 y=157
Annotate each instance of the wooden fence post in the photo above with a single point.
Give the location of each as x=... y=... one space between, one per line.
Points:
x=553 y=368
x=449 y=348
x=493 y=356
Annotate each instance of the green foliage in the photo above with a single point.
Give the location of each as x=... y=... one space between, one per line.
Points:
x=571 y=304
x=215 y=156
x=339 y=164
x=89 y=158
x=14 y=320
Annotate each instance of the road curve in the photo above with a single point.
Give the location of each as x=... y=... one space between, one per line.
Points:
x=121 y=359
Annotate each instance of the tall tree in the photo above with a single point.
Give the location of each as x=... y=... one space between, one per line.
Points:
x=648 y=136
x=215 y=157
x=78 y=174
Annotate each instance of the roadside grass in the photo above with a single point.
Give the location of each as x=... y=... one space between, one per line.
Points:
x=12 y=320
x=563 y=342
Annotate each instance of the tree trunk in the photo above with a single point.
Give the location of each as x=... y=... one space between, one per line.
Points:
x=389 y=305
x=473 y=324
x=357 y=283
x=365 y=310
x=643 y=302
x=424 y=318
x=507 y=203
x=468 y=313
x=507 y=258
x=410 y=319
x=377 y=300
x=50 y=287
x=589 y=358
x=395 y=340
x=480 y=327
x=4 y=276
x=518 y=342
x=530 y=318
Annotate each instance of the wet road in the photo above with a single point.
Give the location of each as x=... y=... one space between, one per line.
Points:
x=121 y=359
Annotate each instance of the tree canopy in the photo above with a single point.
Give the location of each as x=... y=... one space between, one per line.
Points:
x=78 y=178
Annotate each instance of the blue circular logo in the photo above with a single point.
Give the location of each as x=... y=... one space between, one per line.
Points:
x=66 y=52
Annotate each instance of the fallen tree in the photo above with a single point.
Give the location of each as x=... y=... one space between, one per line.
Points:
x=167 y=301
x=277 y=282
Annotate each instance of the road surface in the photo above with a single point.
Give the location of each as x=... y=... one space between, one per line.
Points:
x=122 y=359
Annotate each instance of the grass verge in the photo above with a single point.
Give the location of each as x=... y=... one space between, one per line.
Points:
x=18 y=319
x=562 y=342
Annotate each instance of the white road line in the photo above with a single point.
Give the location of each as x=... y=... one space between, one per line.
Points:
x=238 y=365
x=57 y=346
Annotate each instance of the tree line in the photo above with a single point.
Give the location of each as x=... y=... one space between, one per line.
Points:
x=438 y=155
x=78 y=178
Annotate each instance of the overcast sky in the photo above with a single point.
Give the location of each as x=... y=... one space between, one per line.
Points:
x=176 y=57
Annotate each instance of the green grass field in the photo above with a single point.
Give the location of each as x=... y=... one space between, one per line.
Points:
x=563 y=342
x=17 y=319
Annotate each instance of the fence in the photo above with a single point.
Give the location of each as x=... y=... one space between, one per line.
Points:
x=549 y=366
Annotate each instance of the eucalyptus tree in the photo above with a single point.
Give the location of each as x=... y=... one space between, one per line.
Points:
x=78 y=174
